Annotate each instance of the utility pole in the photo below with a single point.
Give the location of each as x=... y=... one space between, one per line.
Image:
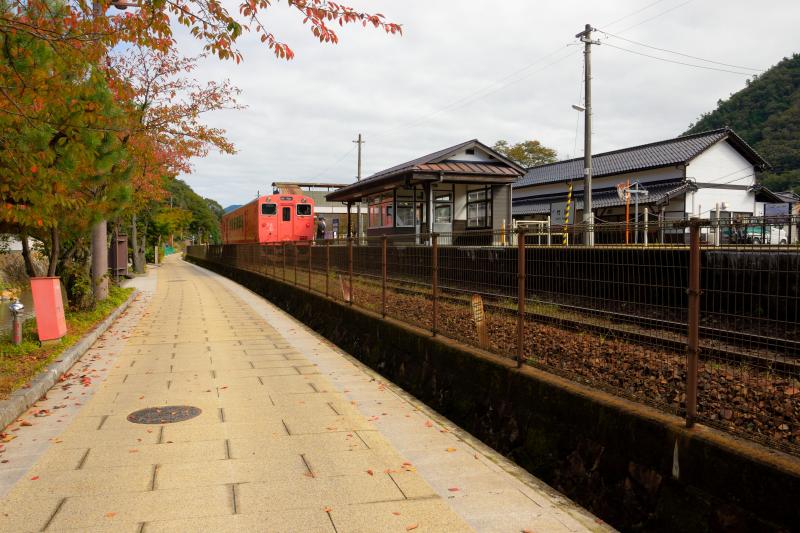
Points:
x=588 y=217
x=99 y=229
x=358 y=177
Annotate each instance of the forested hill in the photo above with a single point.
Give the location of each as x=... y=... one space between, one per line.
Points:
x=766 y=113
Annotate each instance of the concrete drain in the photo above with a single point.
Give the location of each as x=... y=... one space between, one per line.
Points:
x=164 y=415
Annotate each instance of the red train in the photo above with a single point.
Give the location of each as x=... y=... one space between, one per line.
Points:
x=273 y=218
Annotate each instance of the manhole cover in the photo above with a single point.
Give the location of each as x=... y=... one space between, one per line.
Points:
x=164 y=415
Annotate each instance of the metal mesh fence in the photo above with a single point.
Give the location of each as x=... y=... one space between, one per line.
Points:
x=697 y=318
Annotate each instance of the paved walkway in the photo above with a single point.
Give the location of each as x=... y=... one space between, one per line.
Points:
x=293 y=435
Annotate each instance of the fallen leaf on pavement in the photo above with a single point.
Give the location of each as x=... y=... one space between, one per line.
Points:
x=370 y=472
x=450 y=450
x=34 y=478
x=412 y=526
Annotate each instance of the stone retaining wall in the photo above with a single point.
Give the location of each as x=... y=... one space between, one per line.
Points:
x=631 y=465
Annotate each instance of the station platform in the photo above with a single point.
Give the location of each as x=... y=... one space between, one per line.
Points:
x=206 y=408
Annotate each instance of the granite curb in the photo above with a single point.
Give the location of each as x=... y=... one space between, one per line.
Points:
x=23 y=398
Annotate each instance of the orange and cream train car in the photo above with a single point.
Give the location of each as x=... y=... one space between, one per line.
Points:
x=273 y=218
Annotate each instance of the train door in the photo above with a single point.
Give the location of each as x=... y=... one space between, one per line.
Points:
x=286 y=219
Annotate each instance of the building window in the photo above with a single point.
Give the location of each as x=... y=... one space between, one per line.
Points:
x=381 y=211
x=443 y=214
x=479 y=208
x=304 y=210
x=388 y=210
x=405 y=214
x=269 y=209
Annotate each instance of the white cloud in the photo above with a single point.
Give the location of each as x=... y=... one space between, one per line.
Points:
x=302 y=115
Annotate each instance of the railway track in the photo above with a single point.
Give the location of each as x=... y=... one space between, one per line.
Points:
x=783 y=355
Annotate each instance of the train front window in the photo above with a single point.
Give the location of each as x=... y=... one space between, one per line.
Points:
x=303 y=210
x=287 y=214
x=269 y=209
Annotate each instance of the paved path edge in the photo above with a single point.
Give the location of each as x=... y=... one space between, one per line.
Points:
x=21 y=399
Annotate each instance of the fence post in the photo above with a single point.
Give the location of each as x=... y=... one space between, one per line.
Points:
x=520 y=296
x=693 y=321
x=294 y=245
x=310 y=247
x=435 y=280
x=327 y=266
x=383 y=275
x=283 y=249
x=350 y=267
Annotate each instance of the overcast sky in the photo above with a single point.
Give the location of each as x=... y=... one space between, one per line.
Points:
x=477 y=69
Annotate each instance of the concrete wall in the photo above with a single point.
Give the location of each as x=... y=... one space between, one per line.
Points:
x=633 y=466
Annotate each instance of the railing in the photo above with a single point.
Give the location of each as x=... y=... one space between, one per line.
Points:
x=686 y=320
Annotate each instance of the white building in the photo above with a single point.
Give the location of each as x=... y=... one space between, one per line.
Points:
x=686 y=176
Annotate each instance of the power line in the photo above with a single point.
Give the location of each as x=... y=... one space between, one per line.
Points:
x=655 y=16
x=335 y=163
x=679 y=53
x=483 y=93
x=648 y=6
x=678 y=62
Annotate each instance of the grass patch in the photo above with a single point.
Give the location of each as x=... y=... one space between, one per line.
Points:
x=19 y=364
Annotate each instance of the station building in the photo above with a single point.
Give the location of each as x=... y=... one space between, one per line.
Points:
x=464 y=189
x=693 y=175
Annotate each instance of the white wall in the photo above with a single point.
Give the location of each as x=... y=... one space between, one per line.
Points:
x=478 y=156
x=721 y=164
x=460 y=202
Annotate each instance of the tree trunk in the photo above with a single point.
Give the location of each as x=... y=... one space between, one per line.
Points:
x=138 y=264
x=55 y=245
x=30 y=270
x=100 y=261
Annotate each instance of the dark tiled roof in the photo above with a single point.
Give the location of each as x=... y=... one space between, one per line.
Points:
x=657 y=193
x=671 y=152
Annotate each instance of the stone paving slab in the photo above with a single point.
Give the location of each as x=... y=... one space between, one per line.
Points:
x=292 y=436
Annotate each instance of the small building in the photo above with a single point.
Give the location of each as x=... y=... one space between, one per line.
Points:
x=463 y=189
x=335 y=213
x=691 y=175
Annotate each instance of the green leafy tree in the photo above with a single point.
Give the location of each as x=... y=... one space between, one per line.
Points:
x=527 y=153
x=766 y=114
x=63 y=163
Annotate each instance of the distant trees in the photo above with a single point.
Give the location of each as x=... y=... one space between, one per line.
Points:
x=527 y=153
x=766 y=114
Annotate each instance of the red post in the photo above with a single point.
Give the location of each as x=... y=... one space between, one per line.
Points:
x=283 y=249
x=383 y=288
x=693 y=322
x=435 y=280
x=310 y=247
x=520 y=297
